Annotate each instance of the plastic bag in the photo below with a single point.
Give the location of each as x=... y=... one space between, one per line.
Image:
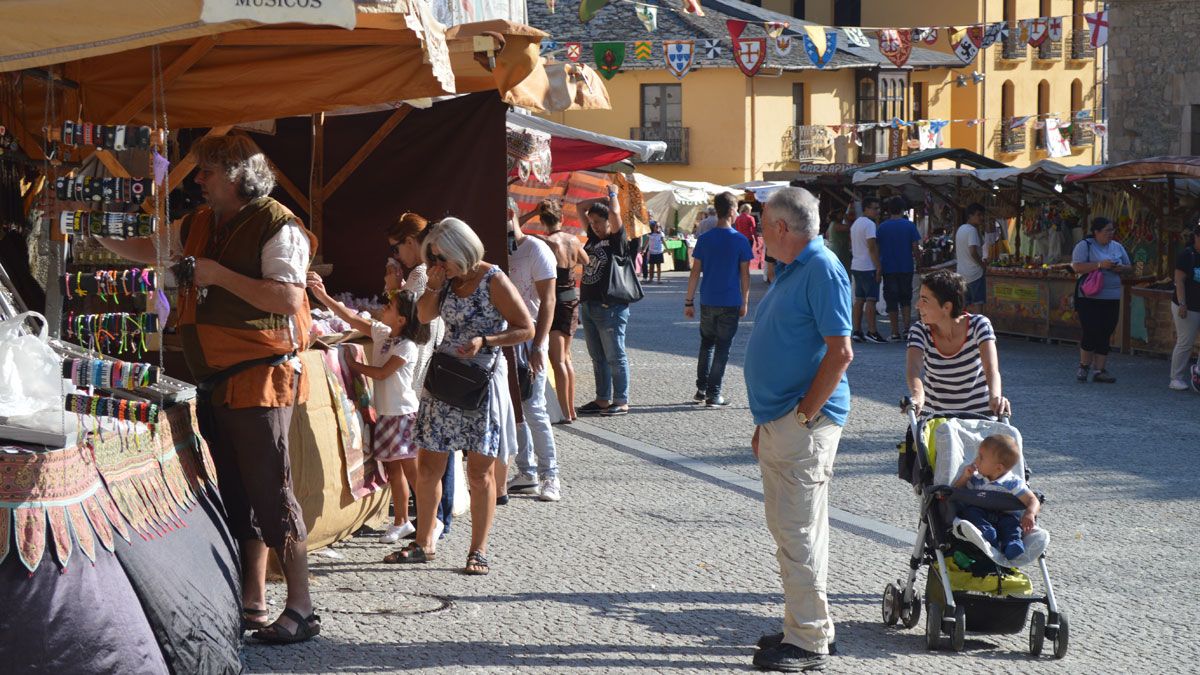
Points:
x=30 y=371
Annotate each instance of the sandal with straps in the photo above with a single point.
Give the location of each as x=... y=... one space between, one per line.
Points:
x=477 y=565
x=413 y=553
x=275 y=634
x=254 y=619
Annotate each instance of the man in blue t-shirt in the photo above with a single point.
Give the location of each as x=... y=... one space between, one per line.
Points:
x=723 y=256
x=899 y=245
x=795 y=371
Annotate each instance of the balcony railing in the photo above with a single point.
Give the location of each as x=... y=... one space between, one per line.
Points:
x=807 y=143
x=1082 y=132
x=1081 y=45
x=1014 y=48
x=1050 y=50
x=1011 y=140
x=676 y=139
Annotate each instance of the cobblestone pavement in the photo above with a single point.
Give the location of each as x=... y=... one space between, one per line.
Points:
x=658 y=559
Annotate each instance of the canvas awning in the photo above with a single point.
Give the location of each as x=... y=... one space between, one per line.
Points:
x=225 y=74
x=571 y=148
x=1142 y=169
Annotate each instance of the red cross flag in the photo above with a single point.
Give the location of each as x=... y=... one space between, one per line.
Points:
x=1098 y=22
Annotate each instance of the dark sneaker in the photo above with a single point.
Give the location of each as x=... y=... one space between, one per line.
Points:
x=699 y=396
x=896 y=338
x=614 y=411
x=876 y=338
x=523 y=484
x=1103 y=376
x=502 y=500
x=775 y=639
x=789 y=658
x=718 y=402
x=857 y=336
x=592 y=408
x=1082 y=374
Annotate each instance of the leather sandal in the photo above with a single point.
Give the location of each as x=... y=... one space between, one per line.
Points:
x=477 y=565
x=254 y=619
x=413 y=553
x=275 y=634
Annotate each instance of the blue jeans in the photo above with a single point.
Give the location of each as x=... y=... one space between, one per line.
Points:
x=534 y=434
x=718 y=325
x=604 y=332
x=998 y=527
x=977 y=291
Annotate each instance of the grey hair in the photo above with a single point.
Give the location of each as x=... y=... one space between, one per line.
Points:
x=457 y=242
x=240 y=160
x=799 y=209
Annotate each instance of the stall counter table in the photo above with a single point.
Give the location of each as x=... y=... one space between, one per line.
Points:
x=1151 y=325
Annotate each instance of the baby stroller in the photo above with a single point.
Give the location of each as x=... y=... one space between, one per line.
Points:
x=970 y=585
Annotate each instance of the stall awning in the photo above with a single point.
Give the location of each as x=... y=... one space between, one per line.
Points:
x=224 y=74
x=576 y=149
x=1142 y=169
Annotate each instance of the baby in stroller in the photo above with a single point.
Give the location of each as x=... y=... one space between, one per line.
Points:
x=992 y=470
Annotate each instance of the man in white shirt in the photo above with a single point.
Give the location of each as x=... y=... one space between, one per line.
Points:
x=968 y=250
x=532 y=270
x=866 y=272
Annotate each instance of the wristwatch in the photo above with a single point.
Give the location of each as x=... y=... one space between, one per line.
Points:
x=802 y=417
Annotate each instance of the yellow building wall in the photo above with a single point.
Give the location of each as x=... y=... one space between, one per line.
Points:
x=829 y=97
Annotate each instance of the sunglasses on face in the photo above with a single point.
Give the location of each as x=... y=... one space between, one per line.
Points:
x=437 y=258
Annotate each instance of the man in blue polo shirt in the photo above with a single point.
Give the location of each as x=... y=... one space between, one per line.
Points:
x=795 y=372
x=723 y=256
x=899 y=245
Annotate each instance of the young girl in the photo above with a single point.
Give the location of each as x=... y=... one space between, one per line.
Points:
x=656 y=246
x=394 y=356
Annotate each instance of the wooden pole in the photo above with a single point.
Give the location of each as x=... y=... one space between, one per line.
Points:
x=316 y=179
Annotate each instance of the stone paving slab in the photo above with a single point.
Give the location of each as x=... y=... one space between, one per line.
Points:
x=650 y=565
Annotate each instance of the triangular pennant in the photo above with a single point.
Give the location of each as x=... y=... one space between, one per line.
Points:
x=550 y=6
x=648 y=15
x=896 y=45
x=711 y=48
x=1019 y=122
x=549 y=46
x=1098 y=23
x=749 y=54
x=816 y=37
x=574 y=51
x=1057 y=143
x=1055 y=31
x=927 y=35
x=856 y=37
x=1039 y=29
x=821 y=60
x=642 y=51
x=776 y=28
x=736 y=28
x=588 y=9
x=693 y=7
x=783 y=45
x=680 y=56
x=609 y=57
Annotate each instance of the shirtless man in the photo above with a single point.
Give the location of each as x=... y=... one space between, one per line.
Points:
x=568 y=255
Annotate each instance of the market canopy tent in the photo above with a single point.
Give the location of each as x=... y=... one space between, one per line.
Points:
x=574 y=149
x=680 y=205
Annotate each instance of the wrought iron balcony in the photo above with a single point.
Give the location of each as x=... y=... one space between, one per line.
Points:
x=1011 y=140
x=1082 y=132
x=1081 y=45
x=807 y=143
x=1013 y=48
x=676 y=139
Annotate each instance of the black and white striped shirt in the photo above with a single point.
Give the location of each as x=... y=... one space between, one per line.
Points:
x=954 y=382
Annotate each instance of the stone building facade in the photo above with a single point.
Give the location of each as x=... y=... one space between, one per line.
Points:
x=1153 y=78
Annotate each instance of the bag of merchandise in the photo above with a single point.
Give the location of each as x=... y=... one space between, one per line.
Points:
x=30 y=371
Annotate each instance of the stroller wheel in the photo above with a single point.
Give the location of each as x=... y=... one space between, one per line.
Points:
x=1037 y=633
x=933 y=625
x=1061 y=637
x=910 y=612
x=959 y=637
x=891 y=605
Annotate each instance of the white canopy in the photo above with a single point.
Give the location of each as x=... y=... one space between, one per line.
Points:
x=762 y=189
x=643 y=150
x=1035 y=177
x=679 y=202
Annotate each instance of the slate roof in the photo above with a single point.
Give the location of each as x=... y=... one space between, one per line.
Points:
x=618 y=22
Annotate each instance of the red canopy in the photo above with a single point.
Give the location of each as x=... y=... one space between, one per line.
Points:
x=569 y=154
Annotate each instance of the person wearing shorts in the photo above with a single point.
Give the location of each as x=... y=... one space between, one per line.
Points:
x=865 y=272
x=899 y=245
x=968 y=250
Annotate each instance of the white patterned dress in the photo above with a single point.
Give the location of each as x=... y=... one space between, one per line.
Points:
x=444 y=428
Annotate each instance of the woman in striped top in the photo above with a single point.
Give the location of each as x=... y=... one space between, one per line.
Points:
x=956 y=351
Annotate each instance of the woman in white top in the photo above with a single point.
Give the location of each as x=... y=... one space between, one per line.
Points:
x=406 y=272
x=952 y=364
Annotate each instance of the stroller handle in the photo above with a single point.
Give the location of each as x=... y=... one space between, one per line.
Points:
x=906 y=407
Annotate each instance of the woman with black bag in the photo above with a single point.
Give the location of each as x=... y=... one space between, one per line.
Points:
x=609 y=286
x=465 y=404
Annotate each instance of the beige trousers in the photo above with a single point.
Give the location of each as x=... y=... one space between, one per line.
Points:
x=797 y=464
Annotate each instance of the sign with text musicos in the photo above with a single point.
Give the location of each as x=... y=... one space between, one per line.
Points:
x=340 y=13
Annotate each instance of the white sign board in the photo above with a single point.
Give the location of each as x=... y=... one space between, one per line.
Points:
x=338 y=13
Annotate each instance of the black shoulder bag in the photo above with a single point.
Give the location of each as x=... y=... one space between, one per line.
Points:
x=458 y=382
x=623 y=284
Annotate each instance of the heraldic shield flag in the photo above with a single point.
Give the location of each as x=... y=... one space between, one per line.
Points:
x=896 y=45
x=749 y=54
x=609 y=57
x=680 y=55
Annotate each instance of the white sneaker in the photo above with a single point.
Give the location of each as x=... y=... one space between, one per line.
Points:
x=522 y=484
x=548 y=491
x=1179 y=385
x=438 y=528
x=395 y=533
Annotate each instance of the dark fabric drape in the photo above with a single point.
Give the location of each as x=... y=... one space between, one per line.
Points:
x=447 y=160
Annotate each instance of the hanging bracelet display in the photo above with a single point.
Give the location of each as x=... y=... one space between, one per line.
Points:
x=103 y=190
x=110 y=374
x=110 y=224
x=107 y=406
x=109 y=284
x=112 y=331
